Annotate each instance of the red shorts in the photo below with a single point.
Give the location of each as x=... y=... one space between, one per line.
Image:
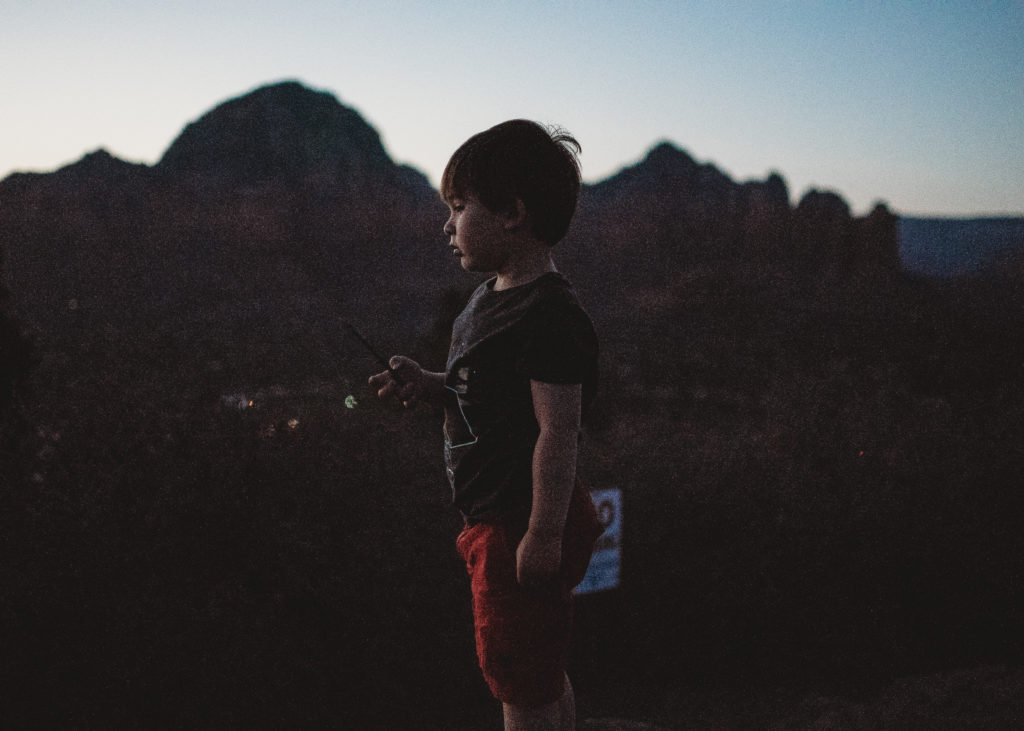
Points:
x=522 y=635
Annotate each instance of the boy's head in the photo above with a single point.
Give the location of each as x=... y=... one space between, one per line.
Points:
x=524 y=160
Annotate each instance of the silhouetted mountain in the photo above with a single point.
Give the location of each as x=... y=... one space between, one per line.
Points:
x=281 y=133
x=286 y=134
x=273 y=215
x=660 y=232
x=279 y=211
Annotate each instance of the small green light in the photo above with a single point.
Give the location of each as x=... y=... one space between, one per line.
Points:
x=350 y=401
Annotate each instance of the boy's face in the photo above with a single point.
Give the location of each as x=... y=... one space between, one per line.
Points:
x=478 y=237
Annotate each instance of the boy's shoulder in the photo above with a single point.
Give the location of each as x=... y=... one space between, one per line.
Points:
x=549 y=288
x=553 y=288
x=549 y=303
x=551 y=297
x=556 y=292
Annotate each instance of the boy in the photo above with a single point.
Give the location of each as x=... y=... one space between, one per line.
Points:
x=521 y=374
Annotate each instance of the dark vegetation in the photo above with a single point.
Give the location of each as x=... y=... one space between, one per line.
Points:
x=820 y=454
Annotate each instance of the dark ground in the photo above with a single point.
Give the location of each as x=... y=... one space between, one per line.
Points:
x=989 y=698
x=979 y=699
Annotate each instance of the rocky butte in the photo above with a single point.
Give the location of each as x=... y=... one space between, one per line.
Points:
x=663 y=223
x=284 y=191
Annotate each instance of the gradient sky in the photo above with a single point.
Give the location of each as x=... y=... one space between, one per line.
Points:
x=917 y=104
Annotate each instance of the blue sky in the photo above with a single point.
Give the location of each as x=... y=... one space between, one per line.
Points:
x=918 y=104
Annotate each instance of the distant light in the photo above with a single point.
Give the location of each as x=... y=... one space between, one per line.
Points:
x=350 y=401
x=293 y=423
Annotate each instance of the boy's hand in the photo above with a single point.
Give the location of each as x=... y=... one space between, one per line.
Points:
x=538 y=559
x=402 y=380
x=408 y=382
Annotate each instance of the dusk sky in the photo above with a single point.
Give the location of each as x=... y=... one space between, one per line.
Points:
x=917 y=104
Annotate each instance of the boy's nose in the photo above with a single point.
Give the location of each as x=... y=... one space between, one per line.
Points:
x=449 y=228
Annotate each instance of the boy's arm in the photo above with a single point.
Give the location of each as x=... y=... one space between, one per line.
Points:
x=558 y=411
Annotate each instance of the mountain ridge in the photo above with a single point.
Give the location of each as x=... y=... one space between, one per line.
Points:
x=279 y=131
x=291 y=184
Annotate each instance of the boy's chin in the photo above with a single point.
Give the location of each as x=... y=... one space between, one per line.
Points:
x=476 y=266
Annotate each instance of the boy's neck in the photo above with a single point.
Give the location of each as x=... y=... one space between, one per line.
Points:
x=524 y=270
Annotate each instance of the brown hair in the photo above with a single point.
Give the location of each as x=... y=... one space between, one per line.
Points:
x=519 y=159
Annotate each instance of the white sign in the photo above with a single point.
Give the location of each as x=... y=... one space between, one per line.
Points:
x=603 y=572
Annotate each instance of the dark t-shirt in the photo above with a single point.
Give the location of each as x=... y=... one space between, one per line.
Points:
x=500 y=342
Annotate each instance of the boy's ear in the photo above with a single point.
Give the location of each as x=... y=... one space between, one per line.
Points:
x=516 y=215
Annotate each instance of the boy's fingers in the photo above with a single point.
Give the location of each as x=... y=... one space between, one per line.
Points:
x=400 y=380
x=403 y=368
x=397 y=364
x=384 y=384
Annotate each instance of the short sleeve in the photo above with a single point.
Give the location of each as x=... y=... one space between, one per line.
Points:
x=559 y=344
